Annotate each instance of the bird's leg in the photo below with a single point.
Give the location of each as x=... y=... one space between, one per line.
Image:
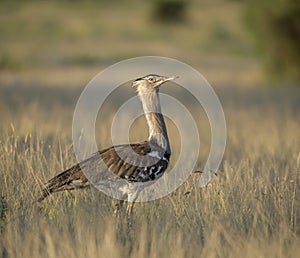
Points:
x=129 y=209
x=118 y=207
x=130 y=203
x=129 y=213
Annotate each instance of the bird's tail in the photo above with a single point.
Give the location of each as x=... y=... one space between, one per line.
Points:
x=70 y=179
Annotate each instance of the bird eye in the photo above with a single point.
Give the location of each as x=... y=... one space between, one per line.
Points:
x=151 y=79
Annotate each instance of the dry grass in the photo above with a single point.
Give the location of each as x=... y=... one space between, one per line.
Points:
x=251 y=210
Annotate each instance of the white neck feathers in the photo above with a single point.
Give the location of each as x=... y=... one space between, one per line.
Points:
x=157 y=127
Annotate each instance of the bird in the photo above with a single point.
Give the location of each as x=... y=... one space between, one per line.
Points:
x=133 y=166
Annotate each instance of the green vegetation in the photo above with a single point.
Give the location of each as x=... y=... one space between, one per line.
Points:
x=170 y=10
x=276 y=26
x=50 y=50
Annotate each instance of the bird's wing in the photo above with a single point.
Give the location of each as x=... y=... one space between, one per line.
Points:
x=132 y=162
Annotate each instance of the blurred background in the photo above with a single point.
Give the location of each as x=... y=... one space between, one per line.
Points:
x=48 y=47
x=229 y=41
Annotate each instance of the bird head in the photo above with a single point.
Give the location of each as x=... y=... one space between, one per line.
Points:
x=150 y=83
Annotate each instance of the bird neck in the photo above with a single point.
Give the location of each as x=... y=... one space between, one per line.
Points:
x=156 y=123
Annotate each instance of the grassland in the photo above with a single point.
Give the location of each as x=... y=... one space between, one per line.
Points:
x=251 y=209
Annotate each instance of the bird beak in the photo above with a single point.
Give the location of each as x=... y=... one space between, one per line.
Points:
x=166 y=79
x=170 y=78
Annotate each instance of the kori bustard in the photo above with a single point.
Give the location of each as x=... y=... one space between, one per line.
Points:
x=154 y=154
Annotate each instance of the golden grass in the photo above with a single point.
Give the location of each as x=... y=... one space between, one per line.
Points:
x=250 y=210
